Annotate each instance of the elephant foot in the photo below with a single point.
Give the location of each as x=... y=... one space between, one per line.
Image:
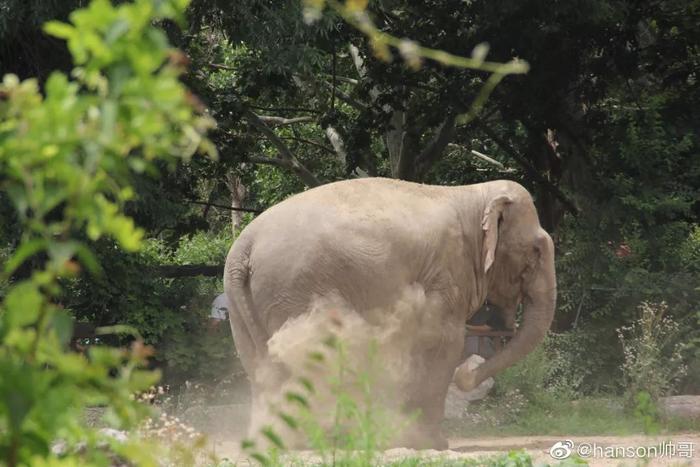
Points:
x=425 y=438
x=438 y=442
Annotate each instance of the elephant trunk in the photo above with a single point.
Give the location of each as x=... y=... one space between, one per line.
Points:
x=539 y=300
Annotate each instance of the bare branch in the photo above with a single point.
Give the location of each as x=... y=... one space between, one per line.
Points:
x=334 y=81
x=315 y=82
x=282 y=163
x=343 y=79
x=346 y=97
x=349 y=100
x=277 y=121
x=284 y=109
x=357 y=60
x=283 y=151
x=239 y=193
x=221 y=206
x=434 y=149
x=529 y=168
x=337 y=143
x=219 y=66
x=310 y=142
x=395 y=139
x=488 y=159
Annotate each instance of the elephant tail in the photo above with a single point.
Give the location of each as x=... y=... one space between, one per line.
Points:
x=237 y=288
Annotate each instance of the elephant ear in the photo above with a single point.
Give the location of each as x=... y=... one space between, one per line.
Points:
x=490 y=224
x=535 y=260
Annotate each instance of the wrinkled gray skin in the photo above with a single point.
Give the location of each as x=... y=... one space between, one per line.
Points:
x=367 y=239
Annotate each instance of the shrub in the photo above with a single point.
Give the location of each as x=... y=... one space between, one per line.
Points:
x=653 y=357
x=170 y=314
x=66 y=155
x=551 y=373
x=583 y=361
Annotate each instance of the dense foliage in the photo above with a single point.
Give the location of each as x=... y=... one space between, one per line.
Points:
x=603 y=130
x=605 y=137
x=66 y=156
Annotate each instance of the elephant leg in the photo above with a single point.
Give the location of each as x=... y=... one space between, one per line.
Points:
x=245 y=347
x=246 y=354
x=431 y=389
x=426 y=432
x=264 y=376
x=431 y=405
x=268 y=388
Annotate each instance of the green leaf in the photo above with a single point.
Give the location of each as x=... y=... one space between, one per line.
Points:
x=263 y=459
x=18 y=404
x=290 y=421
x=118 y=29
x=62 y=324
x=308 y=385
x=317 y=356
x=71 y=145
x=22 y=305
x=57 y=85
x=26 y=250
x=247 y=444
x=297 y=398
x=59 y=29
x=105 y=356
x=88 y=259
x=61 y=252
x=273 y=437
x=144 y=379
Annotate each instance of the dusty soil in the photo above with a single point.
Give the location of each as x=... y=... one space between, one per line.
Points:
x=216 y=422
x=537 y=446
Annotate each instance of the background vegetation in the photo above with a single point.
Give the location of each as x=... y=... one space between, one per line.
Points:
x=603 y=130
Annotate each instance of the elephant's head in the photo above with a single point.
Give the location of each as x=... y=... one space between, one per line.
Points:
x=518 y=263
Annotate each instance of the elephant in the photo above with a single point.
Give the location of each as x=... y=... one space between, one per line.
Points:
x=366 y=239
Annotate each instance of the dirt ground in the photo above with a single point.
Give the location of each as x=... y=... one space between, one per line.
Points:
x=215 y=421
x=539 y=448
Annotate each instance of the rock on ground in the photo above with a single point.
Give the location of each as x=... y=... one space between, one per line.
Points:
x=457 y=402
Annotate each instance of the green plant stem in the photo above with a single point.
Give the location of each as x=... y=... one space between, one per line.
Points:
x=359 y=20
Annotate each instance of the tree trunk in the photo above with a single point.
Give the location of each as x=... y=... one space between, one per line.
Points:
x=239 y=192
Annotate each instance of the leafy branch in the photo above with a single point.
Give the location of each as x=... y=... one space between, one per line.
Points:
x=67 y=155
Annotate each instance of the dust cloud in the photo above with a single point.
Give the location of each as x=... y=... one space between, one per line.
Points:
x=374 y=360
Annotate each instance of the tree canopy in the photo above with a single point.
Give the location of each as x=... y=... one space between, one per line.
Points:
x=602 y=129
